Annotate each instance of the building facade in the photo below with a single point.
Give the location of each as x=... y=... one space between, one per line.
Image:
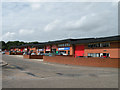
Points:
x=106 y=47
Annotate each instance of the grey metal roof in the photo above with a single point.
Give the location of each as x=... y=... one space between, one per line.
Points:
x=94 y=40
x=74 y=41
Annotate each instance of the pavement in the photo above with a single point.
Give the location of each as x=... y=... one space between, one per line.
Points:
x=34 y=73
x=3 y=63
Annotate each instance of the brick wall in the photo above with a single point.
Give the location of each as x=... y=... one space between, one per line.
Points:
x=26 y=56
x=19 y=53
x=36 y=57
x=33 y=56
x=97 y=62
x=113 y=50
x=7 y=53
x=16 y=53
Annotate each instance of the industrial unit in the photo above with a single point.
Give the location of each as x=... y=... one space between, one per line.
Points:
x=106 y=47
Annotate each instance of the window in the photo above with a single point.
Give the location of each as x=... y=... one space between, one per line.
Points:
x=88 y=54
x=47 y=52
x=68 y=52
x=91 y=54
x=62 y=51
x=99 y=45
x=106 y=54
x=94 y=54
x=105 y=44
x=31 y=50
x=66 y=44
x=53 y=50
x=31 y=46
x=97 y=54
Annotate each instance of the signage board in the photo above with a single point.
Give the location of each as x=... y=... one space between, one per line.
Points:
x=65 y=48
x=25 y=49
x=47 y=49
x=40 y=49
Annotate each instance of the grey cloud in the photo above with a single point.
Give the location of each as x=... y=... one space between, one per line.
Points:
x=74 y=20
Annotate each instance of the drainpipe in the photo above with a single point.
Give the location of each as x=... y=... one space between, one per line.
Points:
x=50 y=48
x=44 y=49
x=73 y=50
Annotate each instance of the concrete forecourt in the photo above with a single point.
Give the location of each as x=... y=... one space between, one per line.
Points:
x=35 y=73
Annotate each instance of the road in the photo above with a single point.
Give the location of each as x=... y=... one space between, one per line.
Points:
x=31 y=73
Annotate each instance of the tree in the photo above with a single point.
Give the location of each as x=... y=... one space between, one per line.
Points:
x=8 y=44
x=2 y=45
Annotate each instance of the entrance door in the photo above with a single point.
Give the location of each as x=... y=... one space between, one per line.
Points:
x=105 y=54
x=22 y=49
x=53 y=50
x=79 y=50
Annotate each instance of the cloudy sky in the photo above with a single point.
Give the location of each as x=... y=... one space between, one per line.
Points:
x=45 y=21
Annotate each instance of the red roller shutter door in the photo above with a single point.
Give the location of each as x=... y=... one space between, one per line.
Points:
x=79 y=50
x=21 y=49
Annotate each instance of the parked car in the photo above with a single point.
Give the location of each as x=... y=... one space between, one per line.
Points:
x=33 y=53
x=18 y=51
x=63 y=53
x=51 y=54
x=25 y=53
x=3 y=52
x=57 y=54
x=46 y=54
x=38 y=53
x=42 y=54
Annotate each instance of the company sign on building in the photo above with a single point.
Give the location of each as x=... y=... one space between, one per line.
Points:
x=65 y=48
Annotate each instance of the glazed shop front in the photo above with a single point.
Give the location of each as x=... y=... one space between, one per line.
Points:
x=66 y=48
x=54 y=49
x=48 y=49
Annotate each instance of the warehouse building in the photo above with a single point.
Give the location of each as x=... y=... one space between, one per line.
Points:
x=98 y=47
x=88 y=47
x=108 y=47
x=64 y=46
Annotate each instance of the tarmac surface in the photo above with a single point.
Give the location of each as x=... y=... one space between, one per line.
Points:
x=34 y=73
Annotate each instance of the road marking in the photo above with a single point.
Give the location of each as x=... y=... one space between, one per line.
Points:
x=8 y=69
x=12 y=66
x=37 y=60
x=25 y=71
